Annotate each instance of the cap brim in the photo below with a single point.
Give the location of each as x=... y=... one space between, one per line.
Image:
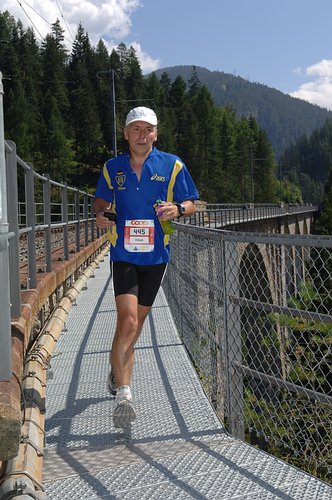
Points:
x=141 y=119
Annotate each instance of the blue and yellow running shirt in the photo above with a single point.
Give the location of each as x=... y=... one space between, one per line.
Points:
x=137 y=236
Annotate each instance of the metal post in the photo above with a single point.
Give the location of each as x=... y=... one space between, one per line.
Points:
x=252 y=175
x=65 y=220
x=233 y=341
x=5 y=329
x=115 y=153
x=47 y=222
x=14 y=248
x=77 y=218
x=30 y=218
x=92 y=219
x=86 y=219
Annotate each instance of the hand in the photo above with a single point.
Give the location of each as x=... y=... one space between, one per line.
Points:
x=166 y=211
x=103 y=222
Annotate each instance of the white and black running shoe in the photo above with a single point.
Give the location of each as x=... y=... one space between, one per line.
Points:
x=124 y=412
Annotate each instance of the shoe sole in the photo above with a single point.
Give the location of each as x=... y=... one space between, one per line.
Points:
x=124 y=414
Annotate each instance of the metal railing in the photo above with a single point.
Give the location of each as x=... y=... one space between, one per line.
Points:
x=62 y=208
x=221 y=215
x=254 y=312
x=38 y=216
x=5 y=235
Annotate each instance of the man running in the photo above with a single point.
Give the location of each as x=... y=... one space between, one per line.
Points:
x=129 y=186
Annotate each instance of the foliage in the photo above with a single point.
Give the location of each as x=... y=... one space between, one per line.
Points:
x=278 y=417
x=284 y=118
x=324 y=222
x=310 y=159
x=58 y=111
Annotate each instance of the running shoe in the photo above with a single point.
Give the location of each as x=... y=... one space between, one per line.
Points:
x=124 y=412
x=111 y=383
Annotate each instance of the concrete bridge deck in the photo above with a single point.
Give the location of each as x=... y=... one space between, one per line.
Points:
x=176 y=449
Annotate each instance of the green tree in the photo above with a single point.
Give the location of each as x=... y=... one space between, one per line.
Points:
x=324 y=221
x=264 y=170
x=228 y=174
x=58 y=156
x=207 y=146
x=85 y=122
x=177 y=101
x=243 y=159
x=103 y=96
x=54 y=59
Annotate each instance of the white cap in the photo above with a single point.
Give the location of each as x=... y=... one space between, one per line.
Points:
x=141 y=114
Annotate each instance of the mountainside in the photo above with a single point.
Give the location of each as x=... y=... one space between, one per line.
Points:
x=284 y=118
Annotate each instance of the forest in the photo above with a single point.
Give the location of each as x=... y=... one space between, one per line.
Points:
x=284 y=118
x=58 y=109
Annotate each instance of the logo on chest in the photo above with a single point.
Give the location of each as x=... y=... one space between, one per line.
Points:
x=159 y=178
x=120 y=179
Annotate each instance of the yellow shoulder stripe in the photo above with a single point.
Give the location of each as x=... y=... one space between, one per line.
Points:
x=176 y=169
x=107 y=177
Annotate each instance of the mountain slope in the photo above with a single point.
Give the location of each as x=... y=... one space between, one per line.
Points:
x=283 y=117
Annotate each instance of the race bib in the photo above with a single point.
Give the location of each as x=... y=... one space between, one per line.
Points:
x=139 y=235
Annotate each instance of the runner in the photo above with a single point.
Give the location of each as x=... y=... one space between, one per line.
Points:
x=128 y=187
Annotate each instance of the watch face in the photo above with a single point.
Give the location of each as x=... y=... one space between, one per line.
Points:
x=181 y=209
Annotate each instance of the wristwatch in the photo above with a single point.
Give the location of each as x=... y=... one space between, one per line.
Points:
x=181 y=208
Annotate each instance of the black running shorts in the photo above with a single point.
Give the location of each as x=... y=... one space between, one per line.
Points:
x=142 y=281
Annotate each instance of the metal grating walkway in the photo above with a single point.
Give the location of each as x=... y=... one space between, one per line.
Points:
x=176 y=448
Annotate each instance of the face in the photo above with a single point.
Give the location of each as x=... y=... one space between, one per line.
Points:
x=140 y=136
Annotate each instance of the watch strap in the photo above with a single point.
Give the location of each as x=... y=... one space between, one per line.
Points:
x=181 y=209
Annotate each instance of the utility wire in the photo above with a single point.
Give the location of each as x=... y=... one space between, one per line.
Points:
x=31 y=21
x=72 y=38
x=43 y=18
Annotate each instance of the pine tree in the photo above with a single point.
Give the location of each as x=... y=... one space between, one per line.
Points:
x=228 y=174
x=324 y=221
x=54 y=61
x=103 y=96
x=243 y=159
x=58 y=156
x=264 y=170
x=194 y=84
x=84 y=110
x=207 y=145
x=55 y=138
x=177 y=99
x=30 y=61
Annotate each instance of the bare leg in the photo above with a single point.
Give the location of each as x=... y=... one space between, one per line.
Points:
x=130 y=320
x=143 y=311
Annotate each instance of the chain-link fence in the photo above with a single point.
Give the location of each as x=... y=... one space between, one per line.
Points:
x=254 y=311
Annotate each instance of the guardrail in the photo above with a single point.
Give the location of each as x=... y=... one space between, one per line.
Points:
x=5 y=235
x=55 y=215
x=254 y=312
x=67 y=210
x=218 y=216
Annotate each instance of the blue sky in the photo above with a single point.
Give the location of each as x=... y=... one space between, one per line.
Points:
x=285 y=44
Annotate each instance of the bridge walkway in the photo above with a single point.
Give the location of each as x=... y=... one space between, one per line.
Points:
x=176 y=449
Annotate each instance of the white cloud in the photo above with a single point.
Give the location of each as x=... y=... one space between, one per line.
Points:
x=148 y=64
x=297 y=70
x=319 y=89
x=106 y=19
